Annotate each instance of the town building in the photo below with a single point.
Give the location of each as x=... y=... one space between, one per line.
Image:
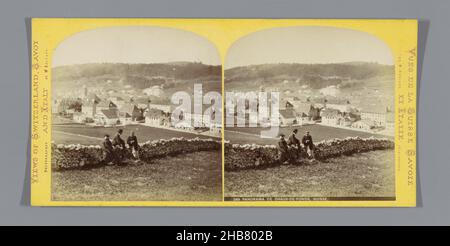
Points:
x=376 y=115
x=362 y=125
x=79 y=117
x=288 y=117
x=166 y=108
x=196 y=118
x=93 y=104
x=118 y=100
x=302 y=119
x=132 y=109
x=346 y=121
x=124 y=118
x=330 y=116
x=306 y=112
x=107 y=117
x=157 y=117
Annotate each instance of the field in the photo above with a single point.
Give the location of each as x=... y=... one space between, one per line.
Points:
x=363 y=175
x=250 y=135
x=190 y=177
x=82 y=134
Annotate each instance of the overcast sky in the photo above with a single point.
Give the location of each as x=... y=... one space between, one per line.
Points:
x=307 y=45
x=135 y=45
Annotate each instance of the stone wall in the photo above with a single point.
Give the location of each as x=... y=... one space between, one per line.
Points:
x=249 y=156
x=237 y=156
x=81 y=156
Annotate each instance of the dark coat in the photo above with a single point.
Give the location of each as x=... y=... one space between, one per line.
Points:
x=307 y=141
x=118 y=141
x=282 y=146
x=293 y=141
x=107 y=145
x=132 y=142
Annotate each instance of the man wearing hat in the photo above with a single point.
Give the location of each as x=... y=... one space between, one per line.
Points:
x=118 y=141
x=308 y=143
x=119 y=145
x=108 y=150
x=283 y=154
x=294 y=143
x=133 y=145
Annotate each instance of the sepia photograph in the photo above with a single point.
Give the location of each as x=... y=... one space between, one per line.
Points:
x=136 y=116
x=223 y=112
x=309 y=116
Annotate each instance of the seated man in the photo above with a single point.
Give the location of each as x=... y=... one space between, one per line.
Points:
x=118 y=141
x=119 y=146
x=295 y=145
x=109 y=156
x=283 y=151
x=309 y=145
x=133 y=145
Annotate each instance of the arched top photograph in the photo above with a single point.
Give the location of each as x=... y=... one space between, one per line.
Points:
x=316 y=67
x=330 y=84
x=112 y=95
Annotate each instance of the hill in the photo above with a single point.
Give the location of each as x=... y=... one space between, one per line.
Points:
x=366 y=85
x=314 y=76
x=139 y=76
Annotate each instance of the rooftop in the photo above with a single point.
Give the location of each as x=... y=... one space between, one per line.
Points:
x=288 y=113
x=109 y=113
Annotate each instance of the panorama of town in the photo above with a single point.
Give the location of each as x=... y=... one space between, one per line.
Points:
x=93 y=106
x=321 y=110
x=337 y=113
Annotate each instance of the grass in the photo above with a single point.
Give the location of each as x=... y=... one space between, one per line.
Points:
x=190 y=177
x=76 y=134
x=250 y=135
x=363 y=175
